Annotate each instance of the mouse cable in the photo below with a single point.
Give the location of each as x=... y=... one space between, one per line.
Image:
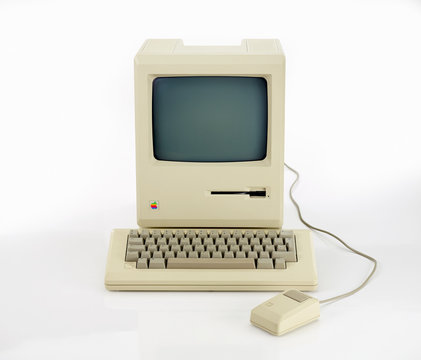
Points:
x=364 y=283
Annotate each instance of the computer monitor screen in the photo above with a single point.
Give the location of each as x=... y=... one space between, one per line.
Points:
x=209 y=118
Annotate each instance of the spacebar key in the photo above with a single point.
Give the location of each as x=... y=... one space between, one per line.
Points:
x=210 y=263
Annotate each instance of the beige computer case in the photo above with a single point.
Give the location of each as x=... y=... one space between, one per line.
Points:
x=177 y=194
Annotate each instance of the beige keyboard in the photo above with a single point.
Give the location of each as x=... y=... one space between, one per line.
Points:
x=210 y=259
x=213 y=249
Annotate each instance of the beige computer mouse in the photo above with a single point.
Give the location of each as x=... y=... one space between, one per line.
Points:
x=285 y=312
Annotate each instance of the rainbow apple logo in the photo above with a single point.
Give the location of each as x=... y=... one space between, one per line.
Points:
x=154 y=205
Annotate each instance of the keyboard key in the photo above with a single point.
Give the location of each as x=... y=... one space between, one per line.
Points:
x=272 y=234
x=173 y=241
x=132 y=256
x=245 y=248
x=167 y=234
x=164 y=248
x=264 y=264
x=175 y=248
x=199 y=248
x=157 y=263
x=161 y=241
x=136 y=241
x=257 y=248
x=280 y=264
x=213 y=263
x=191 y=234
x=137 y=248
x=211 y=248
x=219 y=241
x=240 y=254
x=144 y=234
x=287 y=255
x=225 y=234
x=157 y=254
x=205 y=254
x=169 y=254
x=222 y=248
x=203 y=234
x=133 y=233
x=142 y=263
x=181 y=254
x=248 y=234
x=208 y=241
x=213 y=234
x=260 y=234
x=150 y=241
x=156 y=234
x=234 y=248
x=290 y=256
x=179 y=234
x=152 y=248
x=281 y=248
x=278 y=241
x=254 y=241
x=232 y=241
x=187 y=248
x=252 y=254
x=196 y=241
x=290 y=243
x=145 y=254
x=216 y=254
x=266 y=241
x=264 y=255
x=237 y=234
x=185 y=241
x=229 y=255
x=243 y=241
x=286 y=233
x=269 y=248
x=193 y=254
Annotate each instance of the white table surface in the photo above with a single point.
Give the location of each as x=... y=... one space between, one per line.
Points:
x=53 y=302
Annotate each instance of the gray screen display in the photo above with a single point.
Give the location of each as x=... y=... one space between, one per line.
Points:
x=209 y=118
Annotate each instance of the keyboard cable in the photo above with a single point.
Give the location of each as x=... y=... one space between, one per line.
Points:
x=373 y=260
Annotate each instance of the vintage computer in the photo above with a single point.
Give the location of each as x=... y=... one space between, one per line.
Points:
x=210 y=157
x=210 y=160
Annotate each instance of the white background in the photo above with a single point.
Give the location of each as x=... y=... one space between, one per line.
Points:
x=353 y=112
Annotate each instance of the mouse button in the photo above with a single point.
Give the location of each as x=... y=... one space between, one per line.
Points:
x=296 y=295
